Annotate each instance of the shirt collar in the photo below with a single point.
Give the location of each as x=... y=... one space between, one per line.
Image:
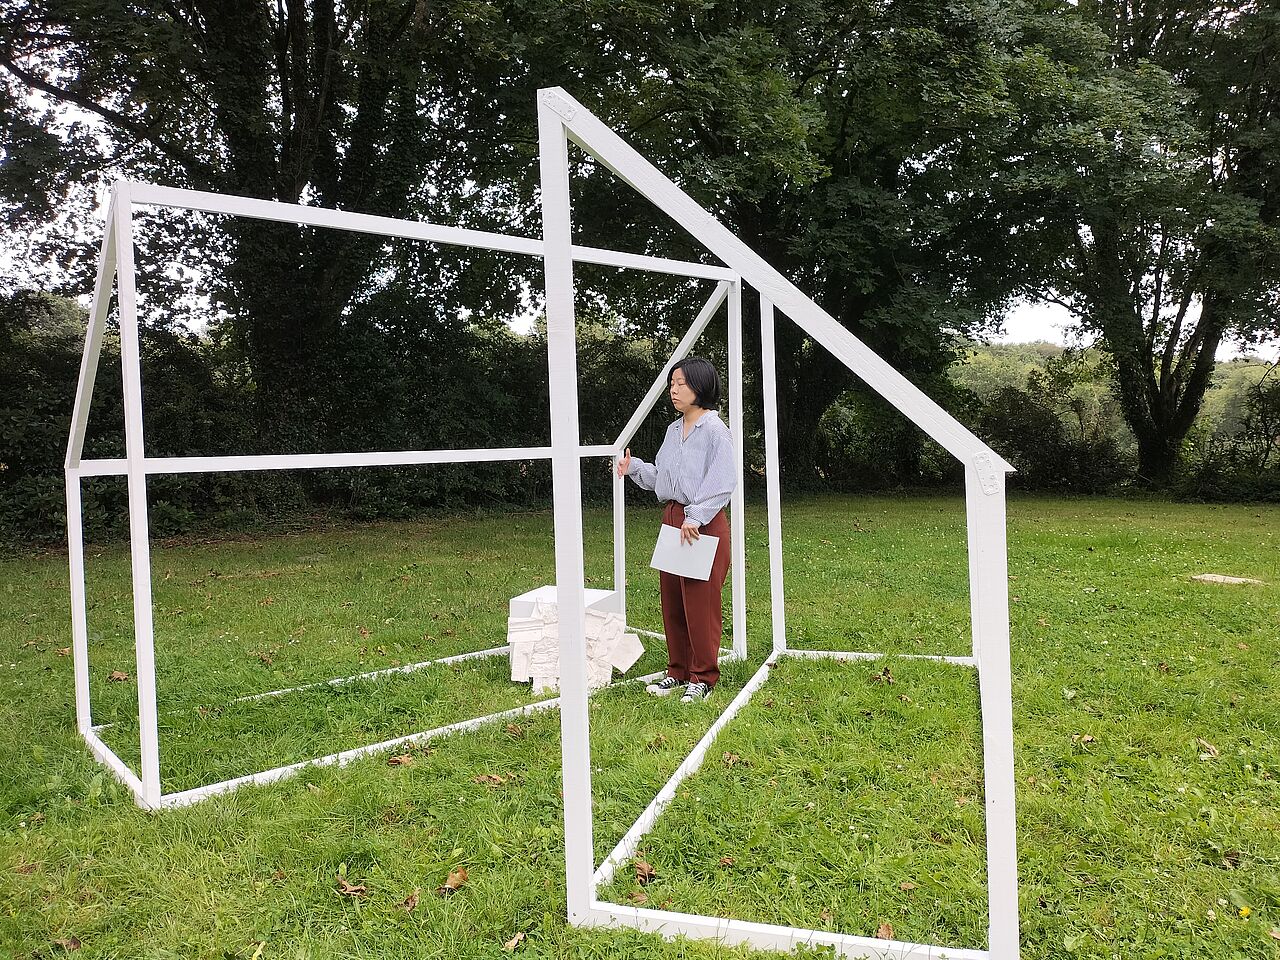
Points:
x=701 y=420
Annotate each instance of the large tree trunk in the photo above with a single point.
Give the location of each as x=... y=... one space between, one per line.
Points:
x=1161 y=392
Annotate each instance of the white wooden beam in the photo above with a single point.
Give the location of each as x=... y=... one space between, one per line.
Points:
x=611 y=150
x=988 y=559
x=94 y=330
x=575 y=737
x=772 y=476
x=770 y=936
x=316 y=461
x=139 y=539
x=628 y=845
x=738 y=502
x=79 y=611
x=153 y=195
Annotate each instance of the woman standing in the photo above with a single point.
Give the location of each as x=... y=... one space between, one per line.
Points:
x=694 y=473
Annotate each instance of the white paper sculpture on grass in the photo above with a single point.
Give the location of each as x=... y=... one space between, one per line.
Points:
x=535 y=647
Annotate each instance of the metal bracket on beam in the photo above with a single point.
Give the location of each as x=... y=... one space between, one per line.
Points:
x=989 y=474
x=559 y=104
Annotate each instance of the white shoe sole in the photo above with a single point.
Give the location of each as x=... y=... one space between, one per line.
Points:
x=654 y=690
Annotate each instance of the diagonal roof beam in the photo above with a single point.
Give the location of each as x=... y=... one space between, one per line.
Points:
x=606 y=146
x=93 y=338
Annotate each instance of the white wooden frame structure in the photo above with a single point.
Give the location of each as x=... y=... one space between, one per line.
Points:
x=562 y=119
x=116 y=264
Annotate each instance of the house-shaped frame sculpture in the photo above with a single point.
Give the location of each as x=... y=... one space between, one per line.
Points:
x=560 y=120
x=116 y=266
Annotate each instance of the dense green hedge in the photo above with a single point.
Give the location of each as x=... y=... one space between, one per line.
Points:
x=1052 y=414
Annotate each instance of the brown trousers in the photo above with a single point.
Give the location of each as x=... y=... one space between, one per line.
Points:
x=692 y=610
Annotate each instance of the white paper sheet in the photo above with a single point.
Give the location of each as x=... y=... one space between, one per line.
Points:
x=692 y=560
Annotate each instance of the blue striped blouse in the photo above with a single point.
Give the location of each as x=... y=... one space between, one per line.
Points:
x=697 y=471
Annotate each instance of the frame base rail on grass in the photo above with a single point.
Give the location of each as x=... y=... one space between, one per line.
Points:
x=116 y=266
x=562 y=119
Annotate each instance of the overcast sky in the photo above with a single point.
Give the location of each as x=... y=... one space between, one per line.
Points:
x=1031 y=322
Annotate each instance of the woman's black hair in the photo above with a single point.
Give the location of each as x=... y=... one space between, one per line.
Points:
x=702 y=379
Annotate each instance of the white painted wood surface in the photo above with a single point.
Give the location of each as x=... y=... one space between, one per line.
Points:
x=566 y=474
x=609 y=149
x=772 y=476
x=738 y=501
x=152 y=195
x=139 y=538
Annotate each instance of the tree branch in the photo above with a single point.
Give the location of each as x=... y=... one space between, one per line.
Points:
x=192 y=163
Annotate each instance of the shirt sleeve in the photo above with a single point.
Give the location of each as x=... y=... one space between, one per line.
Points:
x=718 y=482
x=644 y=474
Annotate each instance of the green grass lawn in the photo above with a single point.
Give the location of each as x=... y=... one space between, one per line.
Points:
x=1147 y=729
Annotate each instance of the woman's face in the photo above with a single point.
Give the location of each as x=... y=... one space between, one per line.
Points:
x=682 y=396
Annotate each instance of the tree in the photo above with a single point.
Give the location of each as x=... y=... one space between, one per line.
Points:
x=861 y=148
x=1161 y=180
x=344 y=105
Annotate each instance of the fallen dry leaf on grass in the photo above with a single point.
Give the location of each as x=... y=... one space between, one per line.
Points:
x=1083 y=738
x=1275 y=933
x=351 y=889
x=884 y=931
x=884 y=676
x=515 y=731
x=410 y=902
x=278 y=875
x=514 y=942
x=118 y=676
x=400 y=760
x=1208 y=750
x=64 y=651
x=727 y=861
x=907 y=885
x=490 y=779
x=456 y=879
x=68 y=943
x=825 y=915
x=644 y=872
x=638 y=896
x=730 y=759
x=364 y=632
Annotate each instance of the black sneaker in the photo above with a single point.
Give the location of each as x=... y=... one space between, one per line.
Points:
x=665 y=686
x=696 y=693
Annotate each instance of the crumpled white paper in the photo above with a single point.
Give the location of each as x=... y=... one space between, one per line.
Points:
x=535 y=647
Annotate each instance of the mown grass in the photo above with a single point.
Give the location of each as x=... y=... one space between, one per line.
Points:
x=1146 y=730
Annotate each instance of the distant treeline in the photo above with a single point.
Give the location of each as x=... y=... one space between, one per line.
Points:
x=1053 y=413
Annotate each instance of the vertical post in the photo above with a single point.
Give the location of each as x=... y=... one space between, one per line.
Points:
x=79 y=615
x=139 y=539
x=988 y=565
x=738 y=503
x=773 y=476
x=566 y=471
x=619 y=538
